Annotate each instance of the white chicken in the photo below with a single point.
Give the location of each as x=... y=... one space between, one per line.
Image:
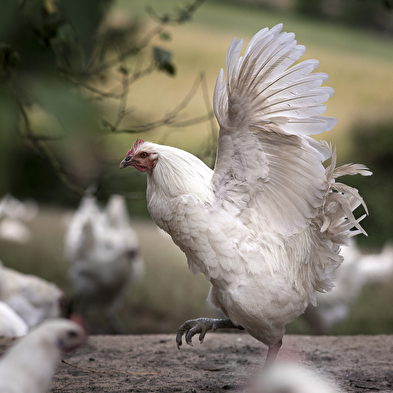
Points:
x=291 y=377
x=32 y=298
x=104 y=252
x=15 y=209
x=265 y=227
x=29 y=365
x=11 y=324
x=13 y=215
x=376 y=268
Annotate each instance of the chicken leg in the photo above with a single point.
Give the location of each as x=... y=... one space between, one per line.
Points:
x=272 y=353
x=201 y=325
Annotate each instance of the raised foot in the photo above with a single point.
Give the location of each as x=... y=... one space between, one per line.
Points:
x=201 y=325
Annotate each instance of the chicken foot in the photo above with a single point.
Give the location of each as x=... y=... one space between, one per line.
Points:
x=201 y=325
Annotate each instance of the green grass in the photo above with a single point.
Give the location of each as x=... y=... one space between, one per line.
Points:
x=359 y=64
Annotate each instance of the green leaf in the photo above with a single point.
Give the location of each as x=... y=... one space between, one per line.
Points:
x=165 y=36
x=169 y=68
x=161 y=56
x=163 y=59
x=123 y=70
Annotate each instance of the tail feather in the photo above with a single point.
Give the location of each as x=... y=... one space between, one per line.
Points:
x=351 y=169
x=341 y=200
x=335 y=223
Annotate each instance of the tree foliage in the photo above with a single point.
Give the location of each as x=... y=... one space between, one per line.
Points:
x=54 y=57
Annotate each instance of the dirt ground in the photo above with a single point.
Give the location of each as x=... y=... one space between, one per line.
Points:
x=152 y=363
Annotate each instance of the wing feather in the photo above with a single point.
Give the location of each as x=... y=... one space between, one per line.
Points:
x=267 y=109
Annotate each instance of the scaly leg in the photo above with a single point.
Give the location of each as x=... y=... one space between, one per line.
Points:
x=272 y=353
x=202 y=325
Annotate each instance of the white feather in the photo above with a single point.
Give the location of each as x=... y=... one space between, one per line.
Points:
x=11 y=324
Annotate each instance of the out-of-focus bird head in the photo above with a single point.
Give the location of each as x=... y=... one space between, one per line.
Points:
x=141 y=156
x=67 y=335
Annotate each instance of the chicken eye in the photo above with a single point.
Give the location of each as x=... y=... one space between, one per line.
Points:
x=72 y=334
x=143 y=154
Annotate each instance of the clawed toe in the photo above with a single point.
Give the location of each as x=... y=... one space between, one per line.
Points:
x=192 y=327
x=201 y=325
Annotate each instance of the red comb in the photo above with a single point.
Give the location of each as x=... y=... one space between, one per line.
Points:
x=137 y=143
x=78 y=319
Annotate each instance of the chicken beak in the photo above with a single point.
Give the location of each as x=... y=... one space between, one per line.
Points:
x=126 y=162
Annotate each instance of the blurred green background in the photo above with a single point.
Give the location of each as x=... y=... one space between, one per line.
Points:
x=81 y=80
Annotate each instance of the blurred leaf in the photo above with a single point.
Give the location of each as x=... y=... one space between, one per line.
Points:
x=163 y=59
x=123 y=70
x=165 y=36
x=161 y=56
x=184 y=16
x=169 y=68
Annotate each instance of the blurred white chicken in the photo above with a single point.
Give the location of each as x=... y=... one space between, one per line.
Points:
x=29 y=365
x=14 y=208
x=11 y=324
x=103 y=250
x=31 y=297
x=357 y=271
x=13 y=215
x=266 y=226
x=291 y=377
x=376 y=268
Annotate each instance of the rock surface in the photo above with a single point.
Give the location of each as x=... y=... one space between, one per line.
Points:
x=150 y=363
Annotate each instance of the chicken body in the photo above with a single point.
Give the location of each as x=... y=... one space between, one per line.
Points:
x=13 y=217
x=29 y=365
x=103 y=250
x=11 y=324
x=266 y=226
x=229 y=253
x=253 y=276
x=31 y=297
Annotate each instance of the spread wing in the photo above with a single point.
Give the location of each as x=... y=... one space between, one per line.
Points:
x=269 y=170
